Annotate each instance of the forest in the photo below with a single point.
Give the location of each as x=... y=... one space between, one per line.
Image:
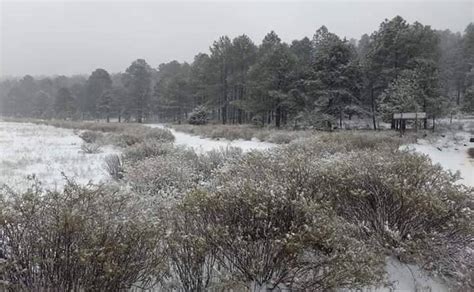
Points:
x=310 y=83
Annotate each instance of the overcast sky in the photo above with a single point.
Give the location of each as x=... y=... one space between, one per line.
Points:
x=75 y=37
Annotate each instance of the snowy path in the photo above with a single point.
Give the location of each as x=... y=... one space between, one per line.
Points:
x=451 y=153
x=205 y=144
x=452 y=156
x=46 y=152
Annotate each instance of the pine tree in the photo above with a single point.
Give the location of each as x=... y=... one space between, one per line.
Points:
x=137 y=80
x=64 y=104
x=335 y=78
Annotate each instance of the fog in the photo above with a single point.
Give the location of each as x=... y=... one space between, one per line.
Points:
x=47 y=38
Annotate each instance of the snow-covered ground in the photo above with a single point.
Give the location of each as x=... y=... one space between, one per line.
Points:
x=46 y=152
x=450 y=151
x=205 y=144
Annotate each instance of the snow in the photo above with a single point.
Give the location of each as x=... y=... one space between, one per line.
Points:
x=46 y=152
x=201 y=145
x=406 y=278
x=450 y=152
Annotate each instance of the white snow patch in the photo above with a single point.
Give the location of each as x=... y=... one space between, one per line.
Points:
x=201 y=145
x=406 y=278
x=46 y=152
x=450 y=152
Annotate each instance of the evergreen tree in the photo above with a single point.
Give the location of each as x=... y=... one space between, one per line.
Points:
x=98 y=83
x=137 y=81
x=335 y=77
x=64 y=103
x=221 y=62
x=272 y=79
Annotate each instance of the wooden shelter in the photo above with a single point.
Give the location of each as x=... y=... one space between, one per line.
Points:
x=399 y=120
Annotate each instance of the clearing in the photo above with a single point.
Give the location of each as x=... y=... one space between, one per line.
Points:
x=47 y=152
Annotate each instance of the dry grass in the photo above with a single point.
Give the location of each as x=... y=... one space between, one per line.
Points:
x=244 y=132
x=90 y=148
x=118 y=134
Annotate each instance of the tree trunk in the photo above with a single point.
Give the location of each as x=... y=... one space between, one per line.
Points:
x=139 y=117
x=373 y=108
x=224 y=114
x=458 y=96
x=278 y=117
x=340 y=119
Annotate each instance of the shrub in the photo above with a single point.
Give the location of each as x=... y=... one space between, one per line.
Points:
x=166 y=177
x=127 y=139
x=231 y=133
x=271 y=238
x=159 y=134
x=244 y=132
x=281 y=137
x=211 y=161
x=192 y=258
x=260 y=213
x=147 y=149
x=383 y=200
x=119 y=134
x=84 y=238
x=132 y=136
x=90 y=136
x=90 y=148
x=405 y=203
x=113 y=166
x=198 y=116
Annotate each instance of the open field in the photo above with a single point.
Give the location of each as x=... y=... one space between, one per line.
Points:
x=204 y=177
x=48 y=153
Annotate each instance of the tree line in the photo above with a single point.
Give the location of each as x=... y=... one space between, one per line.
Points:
x=317 y=82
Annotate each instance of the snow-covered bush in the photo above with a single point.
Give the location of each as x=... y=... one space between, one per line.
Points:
x=192 y=258
x=84 y=238
x=90 y=136
x=133 y=135
x=119 y=134
x=210 y=161
x=158 y=134
x=113 y=166
x=90 y=148
x=260 y=213
x=199 y=116
x=244 y=132
x=384 y=201
x=281 y=137
x=146 y=149
x=409 y=206
x=126 y=139
x=167 y=177
x=270 y=237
